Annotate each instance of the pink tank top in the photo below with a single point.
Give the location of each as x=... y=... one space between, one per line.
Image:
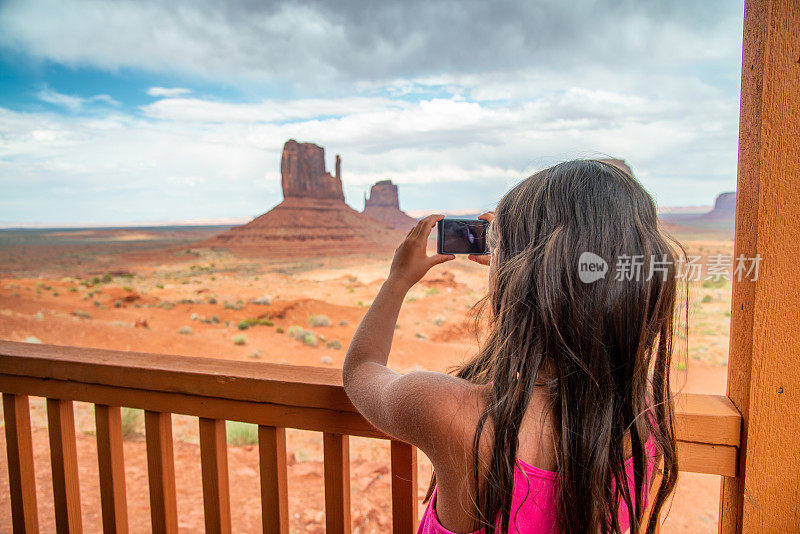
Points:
x=535 y=510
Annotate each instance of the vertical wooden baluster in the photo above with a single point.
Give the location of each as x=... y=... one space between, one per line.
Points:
x=336 y=451
x=161 y=472
x=64 y=463
x=274 y=485
x=111 y=468
x=404 y=487
x=214 y=463
x=21 y=476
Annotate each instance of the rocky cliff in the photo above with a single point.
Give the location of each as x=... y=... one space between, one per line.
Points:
x=383 y=204
x=313 y=219
x=303 y=173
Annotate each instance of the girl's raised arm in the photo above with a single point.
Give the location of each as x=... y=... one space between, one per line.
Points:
x=403 y=406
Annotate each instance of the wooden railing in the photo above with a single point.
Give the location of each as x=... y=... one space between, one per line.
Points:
x=271 y=395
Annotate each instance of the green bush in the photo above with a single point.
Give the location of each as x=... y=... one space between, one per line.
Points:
x=185 y=330
x=81 y=314
x=301 y=334
x=343 y=322
x=240 y=434
x=334 y=344
x=240 y=339
x=707 y=299
x=131 y=422
x=319 y=320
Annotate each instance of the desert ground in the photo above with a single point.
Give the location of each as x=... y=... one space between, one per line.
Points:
x=152 y=291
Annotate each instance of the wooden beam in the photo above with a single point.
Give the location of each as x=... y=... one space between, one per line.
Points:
x=214 y=467
x=21 y=475
x=274 y=480
x=336 y=453
x=763 y=364
x=404 y=487
x=111 y=468
x=161 y=472
x=64 y=465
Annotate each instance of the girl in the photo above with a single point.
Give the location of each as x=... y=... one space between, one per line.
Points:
x=569 y=393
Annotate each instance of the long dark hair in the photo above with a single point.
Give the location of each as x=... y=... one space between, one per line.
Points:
x=608 y=342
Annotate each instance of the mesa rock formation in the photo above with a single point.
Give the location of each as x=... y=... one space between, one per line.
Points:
x=313 y=219
x=383 y=204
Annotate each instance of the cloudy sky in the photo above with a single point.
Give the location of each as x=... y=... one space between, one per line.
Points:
x=178 y=110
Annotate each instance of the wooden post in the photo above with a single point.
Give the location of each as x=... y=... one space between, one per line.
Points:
x=214 y=467
x=111 y=468
x=764 y=366
x=336 y=454
x=161 y=472
x=404 y=487
x=274 y=480
x=64 y=465
x=21 y=476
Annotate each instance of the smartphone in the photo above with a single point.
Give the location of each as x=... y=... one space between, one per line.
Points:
x=462 y=236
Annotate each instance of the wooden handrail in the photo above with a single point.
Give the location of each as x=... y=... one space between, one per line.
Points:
x=274 y=396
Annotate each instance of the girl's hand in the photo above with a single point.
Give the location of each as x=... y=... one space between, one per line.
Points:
x=483 y=259
x=411 y=260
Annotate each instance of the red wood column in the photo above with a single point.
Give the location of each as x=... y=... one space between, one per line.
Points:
x=21 y=476
x=764 y=360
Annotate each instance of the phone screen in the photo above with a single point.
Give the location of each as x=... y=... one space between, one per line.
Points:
x=462 y=236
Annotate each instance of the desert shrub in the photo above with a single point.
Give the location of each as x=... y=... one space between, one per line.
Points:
x=241 y=339
x=343 y=322
x=319 y=320
x=309 y=338
x=279 y=330
x=256 y=355
x=72 y=289
x=240 y=434
x=121 y=323
x=711 y=283
x=33 y=339
x=244 y=324
x=107 y=278
x=439 y=320
x=166 y=305
x=431 y=291
x=301 y=334
x=185 y=330
x=262 y=301
x=187 y=301
x=327 y=360
x=81 y=314
x=131 y=422
x=334 y=344
x=212 y=300
x=680 y=366
x=420 y=335
x=238 y=305
x=160 y=285
x=707 y=299
x=194 y=317
x=127 y=288
x=39 y=316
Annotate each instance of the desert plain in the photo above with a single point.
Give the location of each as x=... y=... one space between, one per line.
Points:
x=153 y=290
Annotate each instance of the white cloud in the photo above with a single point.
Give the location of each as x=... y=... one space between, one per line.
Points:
x=168 y=92
x=72 y=102
x=190 y=157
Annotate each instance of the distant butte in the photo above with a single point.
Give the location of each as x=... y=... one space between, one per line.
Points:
x=383 y=204
x=313 y=219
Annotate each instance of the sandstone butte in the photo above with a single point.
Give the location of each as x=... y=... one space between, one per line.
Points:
x=383 y=204
x=313 y=218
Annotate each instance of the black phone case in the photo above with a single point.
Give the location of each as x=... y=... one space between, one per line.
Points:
x=439 y=230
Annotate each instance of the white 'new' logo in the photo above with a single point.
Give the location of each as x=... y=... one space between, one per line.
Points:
x=591 y=267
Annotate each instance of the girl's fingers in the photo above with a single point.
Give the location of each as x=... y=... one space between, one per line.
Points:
x=483 y=259
x=436 y=259
x=488 y=216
